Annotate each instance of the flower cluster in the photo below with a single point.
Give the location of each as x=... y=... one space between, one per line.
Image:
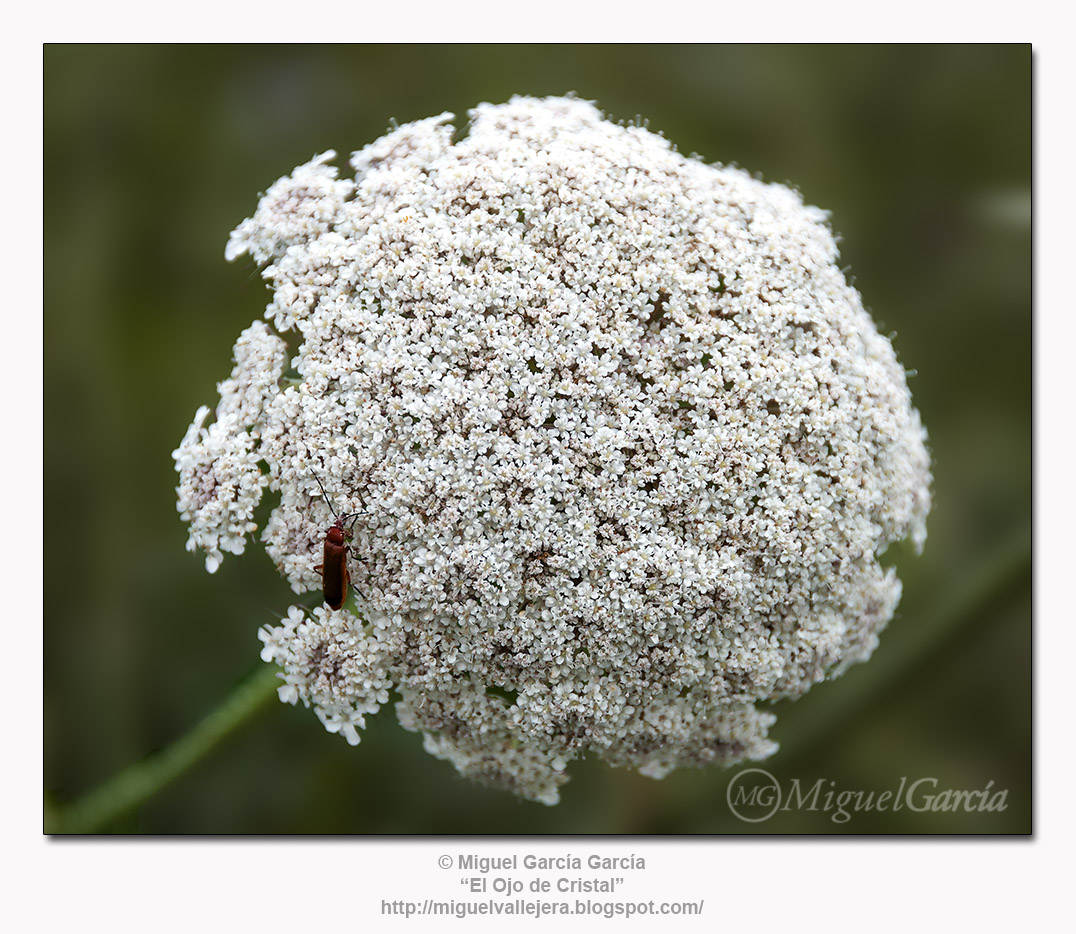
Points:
x=621 y=445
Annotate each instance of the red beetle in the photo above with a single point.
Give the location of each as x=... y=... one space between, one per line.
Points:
x=333 y=568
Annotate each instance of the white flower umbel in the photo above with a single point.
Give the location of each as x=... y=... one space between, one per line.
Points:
x=621 y=444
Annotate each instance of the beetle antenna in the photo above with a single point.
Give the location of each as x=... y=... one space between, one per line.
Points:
x=325 y=496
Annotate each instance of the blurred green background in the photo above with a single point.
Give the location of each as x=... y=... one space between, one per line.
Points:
x=153 y=154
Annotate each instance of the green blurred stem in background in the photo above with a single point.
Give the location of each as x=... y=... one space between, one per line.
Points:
x=993 y=580
x=141 y=781
x=941 y=630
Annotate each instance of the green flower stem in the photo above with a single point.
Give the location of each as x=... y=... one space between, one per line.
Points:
x=141 y=781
